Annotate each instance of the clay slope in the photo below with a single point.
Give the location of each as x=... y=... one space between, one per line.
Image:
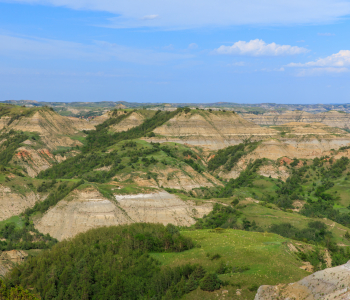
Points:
x=210 y=130
x=36 y=160
x=330 y=118
x=86 y=209
x=100 y=119
x=184 y=178
x=8 y=259
x=54 y=130
x=161 y=207
x=333 y=283
x=12 y=203
x=136 y=118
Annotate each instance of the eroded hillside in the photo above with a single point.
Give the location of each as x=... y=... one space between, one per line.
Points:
x=210 y=129
x=40 y=136
x=338 y=119
x=221 y=176
x=87 y=208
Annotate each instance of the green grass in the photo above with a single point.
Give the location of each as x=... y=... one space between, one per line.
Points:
x=79 y=138
x=266 y=255
x=14 y=219
x=265 y=217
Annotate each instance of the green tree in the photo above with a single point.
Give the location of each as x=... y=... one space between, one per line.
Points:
x=210 y=282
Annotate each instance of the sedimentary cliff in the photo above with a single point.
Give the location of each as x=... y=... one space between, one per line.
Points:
x=330 y=118
x=210 y=130
x=13 y=203
x=86 y=209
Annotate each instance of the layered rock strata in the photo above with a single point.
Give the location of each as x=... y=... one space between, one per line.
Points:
x=330 y=118
x=210 y=130
x=12 y=203
x=161 y=207
x=87 y=209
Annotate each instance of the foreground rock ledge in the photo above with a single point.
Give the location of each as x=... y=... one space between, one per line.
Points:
x=332 y=283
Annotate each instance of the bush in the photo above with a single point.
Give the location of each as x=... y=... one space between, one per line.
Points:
x=253 y=288
x=210 y=282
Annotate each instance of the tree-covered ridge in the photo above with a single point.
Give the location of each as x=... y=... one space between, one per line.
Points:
x=113 y=263
x=229 y=156
x=94 y=153
x=100 y=138
x=11 y=142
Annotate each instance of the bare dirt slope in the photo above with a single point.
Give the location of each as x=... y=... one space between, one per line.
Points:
x=12 y=203
x=100 y=119
x=86 y=209
x=210 y=130
x=135 y=119
x=36 y=160
x=184 y=178
x=161 y=207
x=79 y=212
x=333 y=283
x=8 y=259
x=330 y=118
x=54 y=130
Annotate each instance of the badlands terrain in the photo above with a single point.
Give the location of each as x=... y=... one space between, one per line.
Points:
x=272 y=186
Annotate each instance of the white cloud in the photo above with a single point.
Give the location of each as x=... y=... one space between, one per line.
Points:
x=326 y=34
x=260 y=48
x=150 y=17
x=238 y=64
x=321 y=71
x=38 y=48
x=192 y=46
x=198 y=13
x=334 y=64
x=340 y=59
x=169 y=47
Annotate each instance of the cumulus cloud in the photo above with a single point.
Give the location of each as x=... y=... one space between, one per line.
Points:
x=198 y=13
x=340 y=59
x=259 y=48
x=333 y=64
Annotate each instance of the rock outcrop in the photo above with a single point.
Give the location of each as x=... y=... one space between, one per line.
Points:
x=210 y=130
x=332 y=283
x=10 y=258
x=36 y=160
x=161 y=207
x=54 y=130
x=12 y=203
x=86 y=209
x=183 y=178
x=330 y=118
x=79 y=212
x=135 y=119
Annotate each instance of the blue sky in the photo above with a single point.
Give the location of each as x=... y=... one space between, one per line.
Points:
x=250 y=51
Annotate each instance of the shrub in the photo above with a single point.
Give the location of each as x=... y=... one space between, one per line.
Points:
x=210 y=282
